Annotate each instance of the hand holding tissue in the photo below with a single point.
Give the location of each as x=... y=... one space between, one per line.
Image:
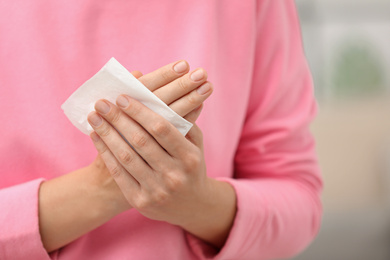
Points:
x=108 y=83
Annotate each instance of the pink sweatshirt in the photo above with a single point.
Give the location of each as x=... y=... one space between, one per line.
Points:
x=255 y=125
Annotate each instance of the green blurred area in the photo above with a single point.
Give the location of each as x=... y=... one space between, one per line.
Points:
x=358 y=70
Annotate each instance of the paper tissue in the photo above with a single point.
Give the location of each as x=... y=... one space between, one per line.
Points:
x=110 y=82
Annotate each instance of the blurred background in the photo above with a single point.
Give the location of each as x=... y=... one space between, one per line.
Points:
x=347 y=43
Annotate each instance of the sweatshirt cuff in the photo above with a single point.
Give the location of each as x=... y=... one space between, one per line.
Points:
x=19 y=224
x=246 y=219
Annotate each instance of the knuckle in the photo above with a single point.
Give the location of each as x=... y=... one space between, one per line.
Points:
x=147 y=202
x=166 y=75
x=125 y=157
x=174 y=183
x=192 y=100
x=104 y=130
x=139 y=139
x=114 y=169
x=141 y=203
x=161 y=129
x=133 y=109
x=103 y=149
x=182 y=82
x=160 y=196
x=192 y=161
x=116 y=115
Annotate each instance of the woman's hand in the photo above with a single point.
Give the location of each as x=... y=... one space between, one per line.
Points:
x=164 y=177
x=182 y=95
x=161 y=173
x=183 y=92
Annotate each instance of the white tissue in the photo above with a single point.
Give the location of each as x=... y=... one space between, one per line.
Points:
x=110 y=82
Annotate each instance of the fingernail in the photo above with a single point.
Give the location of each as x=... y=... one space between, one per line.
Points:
x=204 y=89
x=95 y=119
x=122 y=101
x=102 y=107
x=95 y=137
x=197 y=75
x=180 y=67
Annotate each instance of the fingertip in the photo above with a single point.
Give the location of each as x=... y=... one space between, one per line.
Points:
x=99 y=102
x=94 y=119
x=198 y=75
x=91 y=114
x=211 y=88
x=181 y=67
x=205 y=89
x=206 y=75
x=137 y=74
x=122 y=101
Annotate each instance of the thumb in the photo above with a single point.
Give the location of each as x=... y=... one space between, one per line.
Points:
x=137 y=74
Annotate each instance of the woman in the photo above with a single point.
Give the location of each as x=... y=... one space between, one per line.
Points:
x=258 y=198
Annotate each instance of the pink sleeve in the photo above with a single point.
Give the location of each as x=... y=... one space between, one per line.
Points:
x=19 y=226
x=277 y=178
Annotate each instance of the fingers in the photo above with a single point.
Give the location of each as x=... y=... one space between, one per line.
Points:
x=142 y=142
x=167 y=136
x=122 y=152
x=192 y=100
x=181 y=91
x=181 y=86
x=125 y=181
x=164 y=75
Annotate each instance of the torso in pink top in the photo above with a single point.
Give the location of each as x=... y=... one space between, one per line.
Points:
x=255 y=124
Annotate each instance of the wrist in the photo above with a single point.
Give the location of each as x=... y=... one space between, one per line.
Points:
x=73 y=205
x=218 y=209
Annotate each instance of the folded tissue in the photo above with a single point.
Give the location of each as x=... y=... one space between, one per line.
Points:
x=110 y=82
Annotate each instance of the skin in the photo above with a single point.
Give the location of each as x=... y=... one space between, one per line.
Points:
x=165 y=180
